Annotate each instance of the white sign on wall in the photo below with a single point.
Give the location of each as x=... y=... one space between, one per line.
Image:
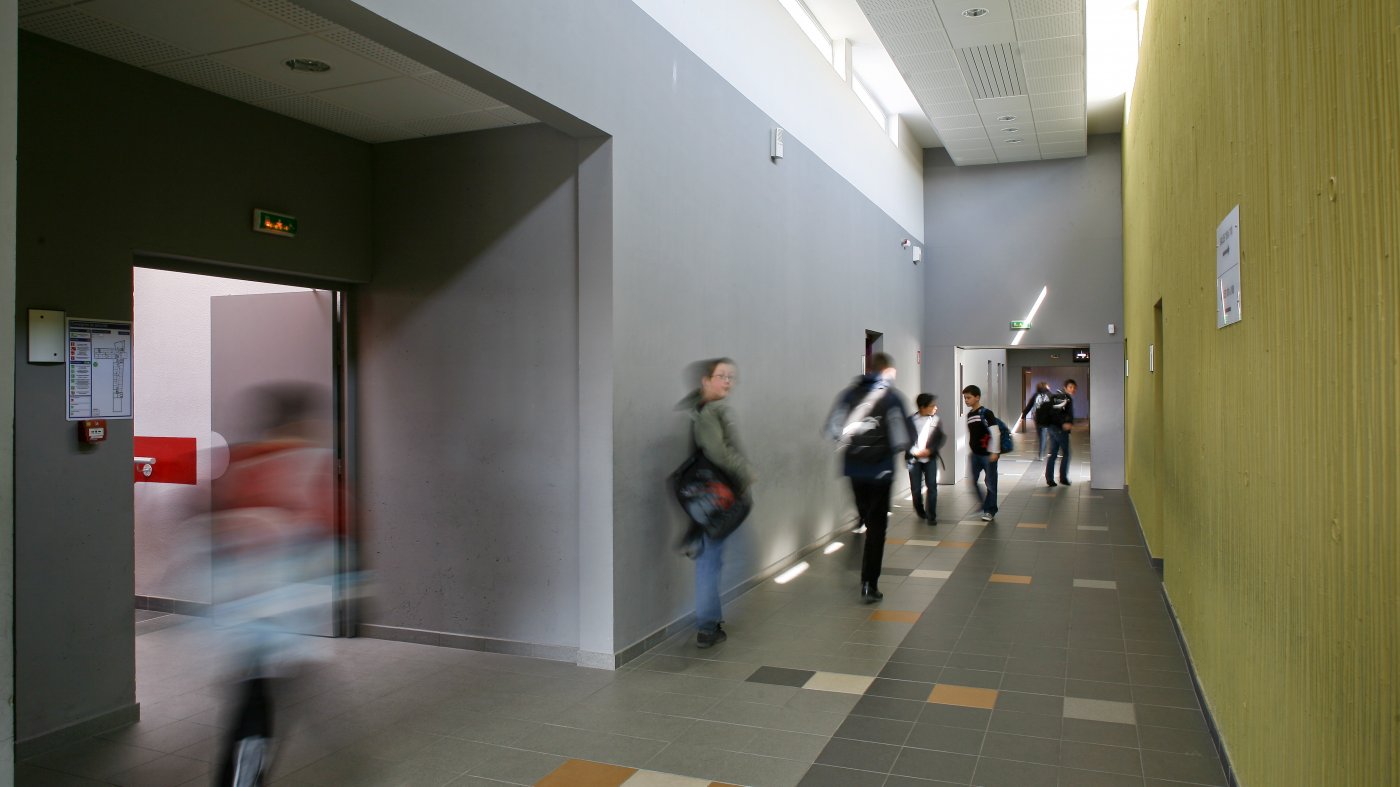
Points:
x=1227 y=270
x=99 y=369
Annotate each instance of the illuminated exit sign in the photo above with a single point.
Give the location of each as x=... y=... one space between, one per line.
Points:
x=1020 y=325
x=274 y=223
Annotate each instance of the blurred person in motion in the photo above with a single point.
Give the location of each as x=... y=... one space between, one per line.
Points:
x=1038 y=405
x=273 y=536
x=984 y=439
x=870 y=422
x=714 y=434
x=1061 y=423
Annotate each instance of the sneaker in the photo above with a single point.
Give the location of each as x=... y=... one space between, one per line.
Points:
x=987 y=517
x=1048 y=482
x=869 y=593
x=859 y=530
x=704 y=639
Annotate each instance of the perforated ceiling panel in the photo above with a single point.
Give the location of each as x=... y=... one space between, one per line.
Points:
x=241 y=62
x=963 y=70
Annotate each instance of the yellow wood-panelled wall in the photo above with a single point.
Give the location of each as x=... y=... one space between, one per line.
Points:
x=1262 y=457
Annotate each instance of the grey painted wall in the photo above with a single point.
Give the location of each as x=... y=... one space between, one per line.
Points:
x=996 y=236
x=116 y=160
x=9 y=85
x=468 y=368
x=716 y=251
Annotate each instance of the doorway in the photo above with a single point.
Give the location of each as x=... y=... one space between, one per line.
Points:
x=874 y=343
x=208 y=347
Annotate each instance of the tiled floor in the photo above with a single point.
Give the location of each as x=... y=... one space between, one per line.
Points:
x=1034 y=650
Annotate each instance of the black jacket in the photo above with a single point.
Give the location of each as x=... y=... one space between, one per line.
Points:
x=872 y=440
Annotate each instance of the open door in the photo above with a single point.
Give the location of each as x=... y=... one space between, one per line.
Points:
x=276 y=339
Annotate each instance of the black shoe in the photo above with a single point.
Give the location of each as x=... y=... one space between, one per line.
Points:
x=1048 y=482
x=920 y=515
x=1064 y=482
x=704 y=639
x=869 y=594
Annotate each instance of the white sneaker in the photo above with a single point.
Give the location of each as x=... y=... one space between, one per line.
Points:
x=986 y=517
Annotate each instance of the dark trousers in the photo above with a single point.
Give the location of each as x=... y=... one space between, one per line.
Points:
x=873 y=503
x=984 y=466
x=1059 y=444
x=923 y=474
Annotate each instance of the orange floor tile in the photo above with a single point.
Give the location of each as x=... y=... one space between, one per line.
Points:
x=1012 y=579
x=583 y=773
x=895 y=616
x=963 y=696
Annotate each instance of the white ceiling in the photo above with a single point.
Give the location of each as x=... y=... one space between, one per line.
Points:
x=970 y=71
x=239 y=48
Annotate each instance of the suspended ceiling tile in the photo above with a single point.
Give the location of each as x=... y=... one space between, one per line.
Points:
x=1061 y=137
x=310 y=109
x=73 y=27
x=216 y=77
x=871 y=7
x=1066 y=112
x=936 y=80
x=992 y=108
x=292 y=14
x=471 y=99
x=959 y=134
x=27 y=7
x=914 y=20
x=198 y=26
x=1054 y=126
x=1056 y=84
x=403 y=99
x=945 y=95
x=512 y=115
x=1057 y=66
x=908 y=44
x=268 y=61
x=957 y=121
x=1058 y=26
x=1067 y=98
x=457 y=124
x=384 y=134
x=1028 y=8
x=371 y=50
x=1050 y=48
x=929 y=61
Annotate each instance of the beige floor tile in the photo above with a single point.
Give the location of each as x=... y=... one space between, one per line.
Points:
x=837 y=682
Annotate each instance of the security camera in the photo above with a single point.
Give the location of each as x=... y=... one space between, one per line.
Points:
x=904 y=244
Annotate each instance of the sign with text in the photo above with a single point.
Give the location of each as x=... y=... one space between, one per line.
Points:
x=99 y=369
x=1227 y=270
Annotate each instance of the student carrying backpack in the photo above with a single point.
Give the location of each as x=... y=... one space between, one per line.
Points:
x=985 y=448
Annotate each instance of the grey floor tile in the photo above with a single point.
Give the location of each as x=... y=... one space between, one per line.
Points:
x=1033 y=684
x=753 y=740
x=1019 y=723
x=779 y=676
x=1160 y=716
x=955 y=716
x=726 y=766
x=1043 y=704
x=901 y=689
x=1172 y=698
x=888 y=708
x=1197 y=742
x=992 y=772
x=823 y=701
x=1098 y=690
x=95 y=759
x=1071 y=777
x=1093 y=757
x=765 y=693
x=926 y=673
x=515 y=766
x=775 y=718
x=909 y=655
x=1021 y=748
x=980 y=679
x=860 y=755
x=591 y=745
x=828 y=776
x=929 y=764
x=1101 y=732
x=1164 y=678
x=958 y=740
x=167 y=771
x=869 y=728
x=1190 y=768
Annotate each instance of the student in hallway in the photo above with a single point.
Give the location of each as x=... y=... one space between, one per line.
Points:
x=984 y=444
x=1062 y=422
x=927 y=429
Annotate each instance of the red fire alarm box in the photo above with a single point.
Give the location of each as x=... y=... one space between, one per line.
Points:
x=92 y=430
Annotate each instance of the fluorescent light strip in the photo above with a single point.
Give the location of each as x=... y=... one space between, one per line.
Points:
x=791 y=574
x=1022 y=334
x=834 y=546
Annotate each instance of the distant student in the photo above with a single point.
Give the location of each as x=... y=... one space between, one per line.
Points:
x=984 y=441
x=927 y=429
x=1037 y=404
x=1062 y=415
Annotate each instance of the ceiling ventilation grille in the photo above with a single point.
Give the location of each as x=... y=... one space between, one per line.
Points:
x=993 y=70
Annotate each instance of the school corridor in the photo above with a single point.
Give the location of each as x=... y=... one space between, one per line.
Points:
x=1034 y=650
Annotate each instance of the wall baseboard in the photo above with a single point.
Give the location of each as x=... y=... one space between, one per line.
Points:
x=445 y=639
x=173 y=605
x=1201 y=694
x=73 y=733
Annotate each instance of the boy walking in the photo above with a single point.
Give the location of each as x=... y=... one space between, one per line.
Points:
x=1062 y=409
x=928 y=434
x=984 y=441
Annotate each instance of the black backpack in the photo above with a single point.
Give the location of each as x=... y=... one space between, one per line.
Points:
x=1044 y=413
x=1058 y=408
x=867 y=438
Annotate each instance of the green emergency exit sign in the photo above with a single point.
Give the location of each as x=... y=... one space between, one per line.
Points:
x=1020 y=325
x=274 y=223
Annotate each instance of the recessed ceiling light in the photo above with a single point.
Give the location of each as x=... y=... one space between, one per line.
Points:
x=307 y=64
x=1014 y=141
x=1006 y=118
x=973 y=13
x=1010 y=130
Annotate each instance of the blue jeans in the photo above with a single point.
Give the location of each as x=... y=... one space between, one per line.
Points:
x=1059 y=444
x=924 y=474
x=981 y=465
x=707 y=571
x=1042 y=436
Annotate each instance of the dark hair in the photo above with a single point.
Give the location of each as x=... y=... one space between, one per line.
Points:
x=879 y=362
x=924 y=400
x=701 y=369
x=1042 y=386
x=1068 y=383
x=974 y=390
